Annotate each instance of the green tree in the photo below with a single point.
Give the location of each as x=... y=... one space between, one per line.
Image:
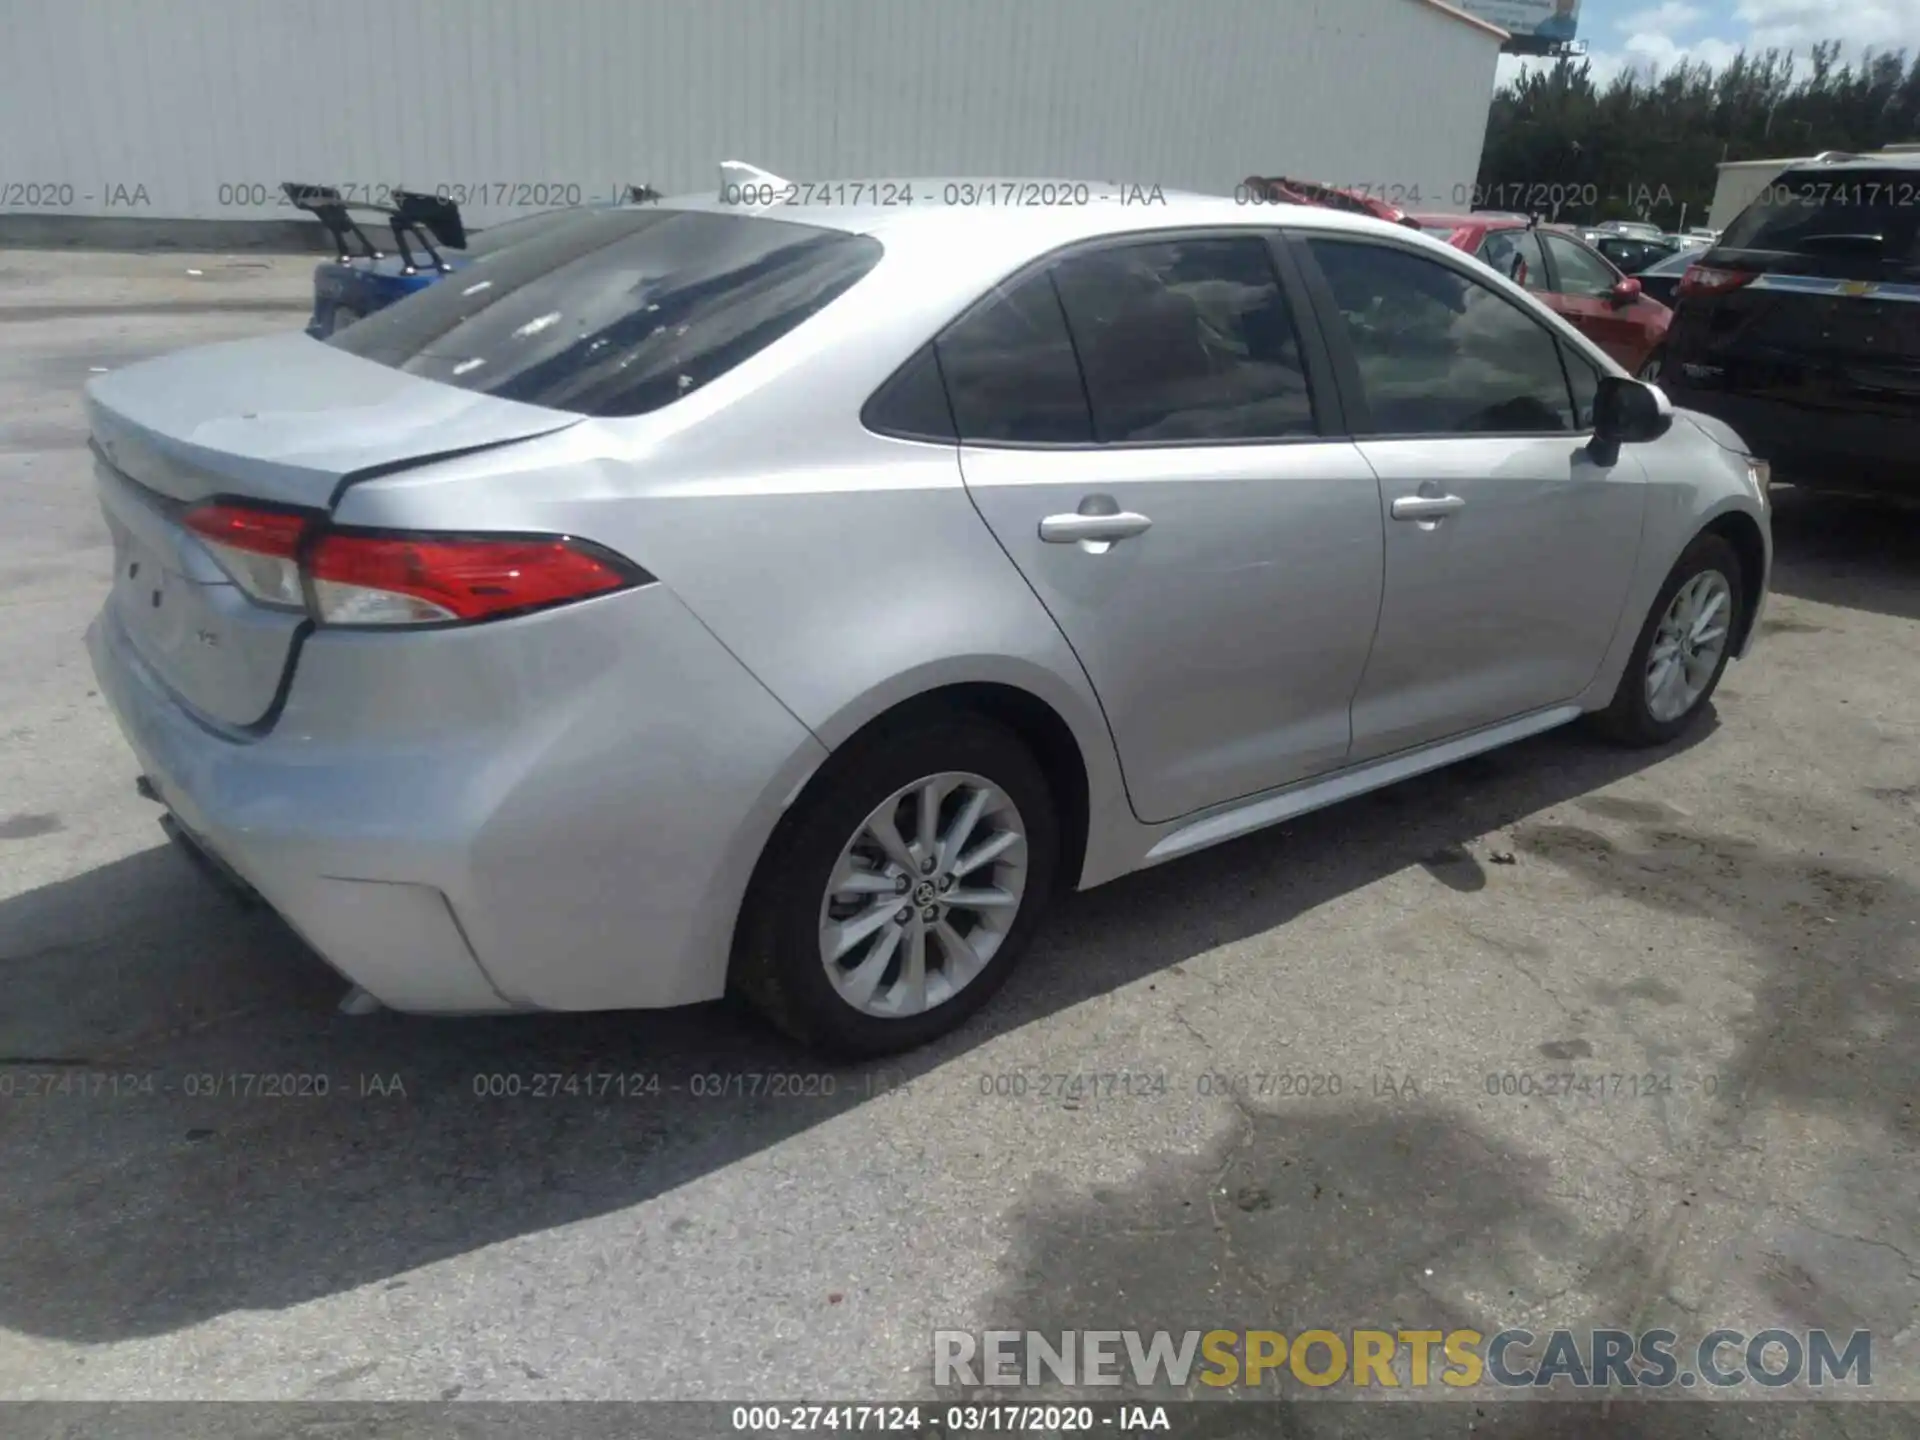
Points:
x=1646 y=146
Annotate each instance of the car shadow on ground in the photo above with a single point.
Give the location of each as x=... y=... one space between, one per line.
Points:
x=1304 y=1217
x=1837 y=550
x=130 y=1214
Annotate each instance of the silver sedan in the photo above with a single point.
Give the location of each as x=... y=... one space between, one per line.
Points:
x=786 y=600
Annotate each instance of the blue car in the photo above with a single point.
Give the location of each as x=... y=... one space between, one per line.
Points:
x=363 y=278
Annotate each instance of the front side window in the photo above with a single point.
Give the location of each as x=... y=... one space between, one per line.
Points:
x=616 y=312
x=1438 y=352
x=1584 y=377
x=1580 y=271
x=1185 y=339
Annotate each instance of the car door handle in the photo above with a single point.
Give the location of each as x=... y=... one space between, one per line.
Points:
x=1426 y=507
x=1066 y=529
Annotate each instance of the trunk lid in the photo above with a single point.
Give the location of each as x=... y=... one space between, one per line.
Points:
x=283 y=419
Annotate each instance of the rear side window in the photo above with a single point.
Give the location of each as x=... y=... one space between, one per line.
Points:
x=1516 y=254
x=1185 y=340
x=616 y=312
x=913 y=404
x=1010 y=369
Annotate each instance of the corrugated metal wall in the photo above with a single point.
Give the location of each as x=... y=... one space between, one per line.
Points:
x=198 y=108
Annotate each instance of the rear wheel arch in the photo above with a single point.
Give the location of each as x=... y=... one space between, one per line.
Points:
x=1012 y=737
x=1035 y=722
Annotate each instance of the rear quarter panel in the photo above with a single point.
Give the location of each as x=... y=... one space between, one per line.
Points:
x=847 y=571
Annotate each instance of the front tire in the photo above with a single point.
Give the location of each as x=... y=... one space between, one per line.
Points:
x=901 y=889
x=1651 y=368
x=1683 y=648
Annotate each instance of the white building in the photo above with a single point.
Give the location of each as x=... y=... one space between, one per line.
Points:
x=198 y=109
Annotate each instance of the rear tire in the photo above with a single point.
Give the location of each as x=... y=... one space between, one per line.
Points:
x=1651 y=368
x=1673 y=671
x=825 y=880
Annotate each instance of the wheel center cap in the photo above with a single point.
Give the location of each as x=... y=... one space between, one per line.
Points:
x=923 y=893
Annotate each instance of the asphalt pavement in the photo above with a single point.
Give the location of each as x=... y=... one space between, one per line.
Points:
x=1336 y=1075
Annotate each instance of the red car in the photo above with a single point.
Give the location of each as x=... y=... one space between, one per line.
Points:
x=1571 y=278
x=1284 y=190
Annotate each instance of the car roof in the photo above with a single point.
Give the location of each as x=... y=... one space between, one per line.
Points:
x=1898 y=160
x=1018 y=212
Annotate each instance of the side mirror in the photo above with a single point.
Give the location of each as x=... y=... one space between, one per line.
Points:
x=1625 y=412
x=1626 y=292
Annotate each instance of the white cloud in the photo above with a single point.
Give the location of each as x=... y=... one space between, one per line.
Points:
x=1797 y=25
x=1673 y=15
x=1651 y=52
x=1654 y=39
x=1652 y=43
x=1646 y=54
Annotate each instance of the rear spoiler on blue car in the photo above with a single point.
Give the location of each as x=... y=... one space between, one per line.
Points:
x=413 y=213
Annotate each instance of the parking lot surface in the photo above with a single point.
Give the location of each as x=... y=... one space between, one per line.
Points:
x=1562 y=1036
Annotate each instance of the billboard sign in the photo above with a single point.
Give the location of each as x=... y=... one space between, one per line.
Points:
x=1538 y=27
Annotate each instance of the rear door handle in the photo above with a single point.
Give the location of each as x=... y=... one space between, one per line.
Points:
x=1426 y=507
x=1066 y=529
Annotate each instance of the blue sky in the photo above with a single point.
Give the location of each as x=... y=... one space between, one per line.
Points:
x=1660 y=33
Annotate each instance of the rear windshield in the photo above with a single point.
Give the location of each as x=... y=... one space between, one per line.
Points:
x=512 y=232
x=615 y=312
x=1441 y=230
x=1857 y=219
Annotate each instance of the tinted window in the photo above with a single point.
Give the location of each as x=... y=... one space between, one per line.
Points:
x=1632 y=256
x=1584 y=377
x=1675 y=264
x=616 y=312
x=913 y=404
x=1010 y=369
x=1508 y=250
x=512 y=232
x=1578 y=270
x=1185 y=340
x=1858 y=223
x=1440 y=353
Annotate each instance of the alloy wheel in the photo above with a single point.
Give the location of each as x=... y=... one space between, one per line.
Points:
x=1688 y=645
x=923 y=894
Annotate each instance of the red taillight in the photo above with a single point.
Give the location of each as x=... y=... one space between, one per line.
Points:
x=243 y=527
x=376 y=577
x=369 y=578
x=259 y=548
x=1705 y=280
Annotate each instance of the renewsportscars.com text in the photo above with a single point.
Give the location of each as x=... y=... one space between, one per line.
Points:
x=1411 y=1359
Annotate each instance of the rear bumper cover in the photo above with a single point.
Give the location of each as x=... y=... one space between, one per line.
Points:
x=556 y=812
